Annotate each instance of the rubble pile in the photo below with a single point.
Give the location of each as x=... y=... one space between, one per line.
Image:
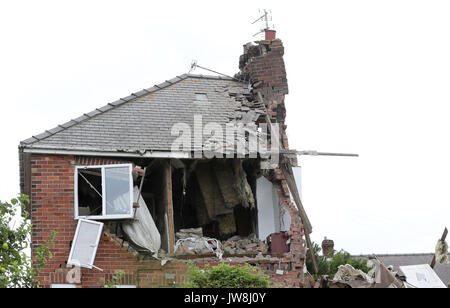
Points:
x=244 y=246
x=191 y=242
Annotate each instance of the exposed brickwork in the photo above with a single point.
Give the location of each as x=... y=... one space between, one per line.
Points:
x=53 y=210
x=263 y=66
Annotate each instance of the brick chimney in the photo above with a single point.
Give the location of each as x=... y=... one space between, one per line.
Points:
x=262 y=65
x=327 y=246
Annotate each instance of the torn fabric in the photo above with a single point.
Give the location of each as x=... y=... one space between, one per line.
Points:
x=143 y=231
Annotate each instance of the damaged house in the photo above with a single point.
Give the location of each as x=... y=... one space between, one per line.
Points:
x=150 y=182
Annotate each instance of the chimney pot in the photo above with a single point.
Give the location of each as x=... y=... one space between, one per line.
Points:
x=270 y=35
x=327 y=246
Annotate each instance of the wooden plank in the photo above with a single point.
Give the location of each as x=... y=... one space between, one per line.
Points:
x=311 y=253
x=171 y=227
x=136 y=204
x=288 y=175
x=27 y=178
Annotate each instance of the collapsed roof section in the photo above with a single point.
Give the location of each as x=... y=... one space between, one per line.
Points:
x=141 y=123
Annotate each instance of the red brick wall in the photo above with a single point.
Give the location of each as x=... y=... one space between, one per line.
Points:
x=52 y=209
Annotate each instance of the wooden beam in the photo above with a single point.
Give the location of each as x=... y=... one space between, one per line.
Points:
x=444 y=236
x=170 y=226
x=136 y=204
x=288 y=175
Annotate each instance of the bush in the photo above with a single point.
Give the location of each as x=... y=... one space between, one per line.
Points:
x=16 y=270
x=226 y=276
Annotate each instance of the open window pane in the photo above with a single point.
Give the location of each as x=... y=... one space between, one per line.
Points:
x=85 y=243
x=118 y=194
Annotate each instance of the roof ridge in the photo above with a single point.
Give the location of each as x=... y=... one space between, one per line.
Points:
x=215 y=77
x=102 y=110
x=396 y=254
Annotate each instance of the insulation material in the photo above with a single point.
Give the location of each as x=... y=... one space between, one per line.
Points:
x=243 y=188
x=227 y=224
x=143 y=231
x=212 y=197
x=442 y=252
x=226 y=181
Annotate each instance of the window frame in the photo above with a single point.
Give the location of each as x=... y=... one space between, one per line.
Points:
x=75 y=239
x=104 y=216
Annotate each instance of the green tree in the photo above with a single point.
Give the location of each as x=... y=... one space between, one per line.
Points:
x=328 y=265
x=226 y=276
x=16 y=269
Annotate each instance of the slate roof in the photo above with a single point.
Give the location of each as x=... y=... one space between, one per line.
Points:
x=142 y=121
x=397 y=260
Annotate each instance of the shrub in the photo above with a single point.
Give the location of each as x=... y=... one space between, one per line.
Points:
x=226 y=276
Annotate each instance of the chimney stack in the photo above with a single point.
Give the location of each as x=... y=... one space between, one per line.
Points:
x=262 y=66
x=327 y=246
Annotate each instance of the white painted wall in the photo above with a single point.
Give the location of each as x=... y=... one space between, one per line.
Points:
x=268 y=208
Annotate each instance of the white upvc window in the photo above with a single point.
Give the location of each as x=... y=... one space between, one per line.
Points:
x=104 y=192
x=85 y=243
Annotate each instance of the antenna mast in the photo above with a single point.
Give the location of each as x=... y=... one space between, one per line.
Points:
x=266 y=17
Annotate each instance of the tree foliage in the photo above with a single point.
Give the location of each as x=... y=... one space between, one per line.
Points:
x=16 y=270
x=329 y=265
x=226 y=276
x=115 y=281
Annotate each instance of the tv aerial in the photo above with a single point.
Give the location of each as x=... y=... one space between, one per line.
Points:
x=266 y=20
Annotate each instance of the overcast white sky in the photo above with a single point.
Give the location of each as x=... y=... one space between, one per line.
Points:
x=367 y=77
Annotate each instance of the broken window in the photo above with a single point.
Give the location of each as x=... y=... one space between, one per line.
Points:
x=104 y=192
x=85 y=243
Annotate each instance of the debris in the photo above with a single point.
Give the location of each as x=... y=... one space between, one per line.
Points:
x=198 y=246
x=380 y=276
x=442 y=252
x=422 y=276
x=186 y=233
x=278 y=242
x=236 y=245
x=352 y=277
x=442 y=240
